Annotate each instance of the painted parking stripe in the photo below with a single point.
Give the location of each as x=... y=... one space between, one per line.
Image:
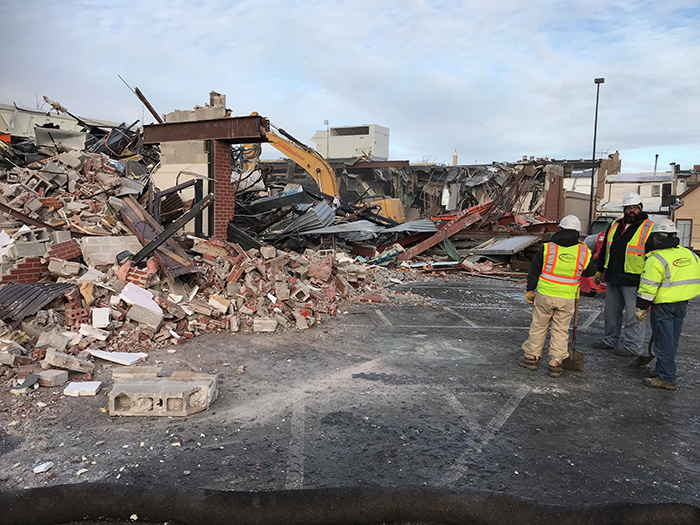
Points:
x=460 y=467
x=468 y=321
x=295 y=467
x=383 y=317
x=591 y=319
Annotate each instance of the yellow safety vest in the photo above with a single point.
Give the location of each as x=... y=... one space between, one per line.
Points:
x=562 y=267
x=670 y=275
x=634 y=253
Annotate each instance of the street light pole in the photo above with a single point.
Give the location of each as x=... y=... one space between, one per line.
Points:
x=598 y=82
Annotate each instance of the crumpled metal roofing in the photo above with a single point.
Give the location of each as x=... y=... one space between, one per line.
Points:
x=19 y=300
x=317 y=216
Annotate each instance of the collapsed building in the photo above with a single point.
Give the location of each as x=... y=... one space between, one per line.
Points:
x=115 y=237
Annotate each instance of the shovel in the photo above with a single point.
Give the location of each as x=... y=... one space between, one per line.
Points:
x=575 y=360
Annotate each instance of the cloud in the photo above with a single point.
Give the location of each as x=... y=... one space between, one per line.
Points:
x=493 y=80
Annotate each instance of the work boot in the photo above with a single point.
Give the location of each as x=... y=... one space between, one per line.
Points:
x=601 y=345
x=555 y=370
x=655 y=382
x=624 y=352
x=639 y=362
x=529 y=362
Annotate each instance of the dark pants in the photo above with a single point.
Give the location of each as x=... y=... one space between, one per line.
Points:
x=666 y=324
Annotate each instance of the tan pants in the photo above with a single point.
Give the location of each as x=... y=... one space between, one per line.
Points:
x=558 y=312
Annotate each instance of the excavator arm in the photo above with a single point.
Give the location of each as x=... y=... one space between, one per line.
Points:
x=309 y=159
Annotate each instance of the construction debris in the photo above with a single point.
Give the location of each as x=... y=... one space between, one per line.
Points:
x=97 y=263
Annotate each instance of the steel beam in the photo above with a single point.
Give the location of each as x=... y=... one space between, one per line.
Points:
x=234 y=130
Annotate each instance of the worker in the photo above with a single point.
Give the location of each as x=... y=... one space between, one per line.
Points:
x=620 y=263
x=555 y=272
x=671 y=277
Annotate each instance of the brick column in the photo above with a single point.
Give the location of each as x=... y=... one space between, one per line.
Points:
x=224 y=194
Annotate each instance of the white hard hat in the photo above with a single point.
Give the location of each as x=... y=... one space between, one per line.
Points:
x=570 y=222
x=632 y=199
x=664 y=226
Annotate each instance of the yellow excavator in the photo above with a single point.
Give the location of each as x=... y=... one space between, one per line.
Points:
x=315 y=165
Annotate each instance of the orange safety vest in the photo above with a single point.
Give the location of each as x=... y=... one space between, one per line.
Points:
x=562 y=267
x=634 y=252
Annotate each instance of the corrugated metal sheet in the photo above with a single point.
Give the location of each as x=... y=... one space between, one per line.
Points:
x=356 y=226
x=420 y=225
x=18 y=300
x=318 y=216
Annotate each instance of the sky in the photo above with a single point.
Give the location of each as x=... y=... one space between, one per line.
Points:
x=493 y=80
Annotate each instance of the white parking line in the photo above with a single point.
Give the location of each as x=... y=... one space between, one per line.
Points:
x=431 y=326
x=591 y=319
x=460 y=467
x=295 y=467
x=468 y=321
x=383 y=317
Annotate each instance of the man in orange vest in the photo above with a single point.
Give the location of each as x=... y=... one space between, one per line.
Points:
x=556 y=273
x=620 y=263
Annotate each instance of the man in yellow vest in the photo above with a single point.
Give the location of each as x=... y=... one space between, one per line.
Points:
x=671 y=277
x=620 y=263
x=556 y=272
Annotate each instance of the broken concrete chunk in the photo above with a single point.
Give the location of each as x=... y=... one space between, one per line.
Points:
x=89 y=331
x=69 y=362
x=146 y=316
x=264 y=324
x=137 y=373
x=53 y=339
x=82 y=388
x=52 y=377
x=268 y=252
x=220 y=303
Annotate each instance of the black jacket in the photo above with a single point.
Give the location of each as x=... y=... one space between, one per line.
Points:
x=668 y=242
x=615 y=272
x=562 y=238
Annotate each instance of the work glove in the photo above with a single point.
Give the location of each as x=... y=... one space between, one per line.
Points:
x=530 y=297
x=598 y=278
x=641 y=314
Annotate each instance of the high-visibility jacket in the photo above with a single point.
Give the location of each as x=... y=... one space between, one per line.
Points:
x=634 y=252
x=670 y=275
x=562 y=267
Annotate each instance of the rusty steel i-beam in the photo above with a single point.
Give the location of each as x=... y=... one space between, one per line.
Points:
x=234 y=130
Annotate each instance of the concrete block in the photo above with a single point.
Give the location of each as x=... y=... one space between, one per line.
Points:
x=69 y=362
x=53 y=377
x=28 y=249
x=264 y=324
x=82 y=388
x=146 y=316
x=163 y=397
x=102 y=251
x=64 y=268
x=234 y=323
x=300 y=292
x=302 y=323
x=60 y=236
